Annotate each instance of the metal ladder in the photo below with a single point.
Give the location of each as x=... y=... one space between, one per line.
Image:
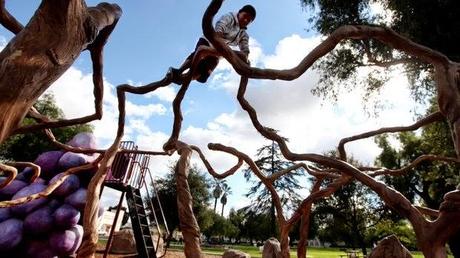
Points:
x=140 y=223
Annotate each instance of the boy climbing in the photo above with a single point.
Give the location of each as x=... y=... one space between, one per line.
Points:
x=232 y=28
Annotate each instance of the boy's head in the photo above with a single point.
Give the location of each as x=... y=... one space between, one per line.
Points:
x=246 y=15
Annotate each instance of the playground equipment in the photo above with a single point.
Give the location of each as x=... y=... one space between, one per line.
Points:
x=130 y=175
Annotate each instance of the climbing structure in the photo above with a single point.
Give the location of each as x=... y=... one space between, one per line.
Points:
x=131 y=175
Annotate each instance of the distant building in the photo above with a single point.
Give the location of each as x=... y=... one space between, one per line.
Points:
x=106 y=221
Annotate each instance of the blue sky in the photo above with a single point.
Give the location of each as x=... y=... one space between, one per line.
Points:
x=153 y=35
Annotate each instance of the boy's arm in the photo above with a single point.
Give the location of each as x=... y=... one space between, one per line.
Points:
x=223 y=24
x=244 y=44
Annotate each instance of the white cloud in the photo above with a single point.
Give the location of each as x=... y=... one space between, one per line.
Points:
x=73 y=92
x=3 y=42
x=144 y=111
x=166 y=94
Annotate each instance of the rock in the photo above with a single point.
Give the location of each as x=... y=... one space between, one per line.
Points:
x=230 y=253
x=390 y=247
x=123 y=242
x=272 y=248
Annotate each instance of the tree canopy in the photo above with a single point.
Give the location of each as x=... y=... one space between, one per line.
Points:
x=431 y=23
x=26 y=147
x=199 y=187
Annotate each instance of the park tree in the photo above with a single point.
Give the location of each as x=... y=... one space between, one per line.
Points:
x=217 y=191
x=348 y=215
x=408 y=17
x=26 y=147
x=237 y=218
x=269 y=161
x=226 y=190
x=199 y=187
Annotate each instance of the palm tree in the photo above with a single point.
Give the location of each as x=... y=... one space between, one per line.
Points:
x=217 y=192
x=226 y=191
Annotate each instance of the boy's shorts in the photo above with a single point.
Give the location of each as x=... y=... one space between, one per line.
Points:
x=206 y=65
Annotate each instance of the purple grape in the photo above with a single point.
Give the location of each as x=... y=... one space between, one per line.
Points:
x=70 y=185
x=5 y=213
x=66 y=216
x=12 y=188
x=48 y=162
x=28 y=207
x=10 y=233
x=39 y=249
x=40 y=221
x=66 y=242
x=83 y=140
x=77 y=199
x=71 y=159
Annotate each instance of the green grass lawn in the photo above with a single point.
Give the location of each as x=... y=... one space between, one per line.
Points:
x=313 y=252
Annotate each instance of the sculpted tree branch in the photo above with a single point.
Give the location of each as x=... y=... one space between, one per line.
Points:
x=305 y=223
x=188 y=224
x=50 y=188
x=200 y=54
x=392 y=198
x=211 y=170
x=12 y=173
x=284 y=225
x=90 y=237
x=8 y=21
x=413 y=164
x=10 y=169
x=434 y=117
x=447 y=73
x=102 y=22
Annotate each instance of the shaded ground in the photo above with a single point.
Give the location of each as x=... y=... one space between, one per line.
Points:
x=170 y=254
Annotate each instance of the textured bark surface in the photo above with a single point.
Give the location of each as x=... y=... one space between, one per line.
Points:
x=188 y=224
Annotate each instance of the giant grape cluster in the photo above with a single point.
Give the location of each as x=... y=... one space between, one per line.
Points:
x=49 y=226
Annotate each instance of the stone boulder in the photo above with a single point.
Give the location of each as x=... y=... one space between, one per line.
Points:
x=123 y=242
x=390 y=247
x=230 y=253
x=272 y=248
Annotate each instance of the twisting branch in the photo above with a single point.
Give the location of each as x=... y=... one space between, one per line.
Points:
x=170 y=143
x=314 y=172
x=391 y=197
x=434 y=117
x=252 y=165
x=90 y=236
x=8 y=21
x=33 y=113
x=413 y=164
x=67 y=147
x=211 y=170
x=305 y=222
x=285 y=226
x=385 y=35
x=12 y=173
x=103 y=18
x=50 y=188
x=36 y=170
x=427 y=211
